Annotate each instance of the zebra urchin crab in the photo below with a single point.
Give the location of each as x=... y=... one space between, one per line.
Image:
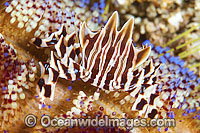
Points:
x=107 y=59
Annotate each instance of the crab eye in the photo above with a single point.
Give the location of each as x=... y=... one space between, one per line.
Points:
x=41 y=83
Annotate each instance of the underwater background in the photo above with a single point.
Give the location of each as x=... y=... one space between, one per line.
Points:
x=170 y=84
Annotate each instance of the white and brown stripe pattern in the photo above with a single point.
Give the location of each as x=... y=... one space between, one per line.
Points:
x=106 y=59
x=64 y=61
x=110 y=57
